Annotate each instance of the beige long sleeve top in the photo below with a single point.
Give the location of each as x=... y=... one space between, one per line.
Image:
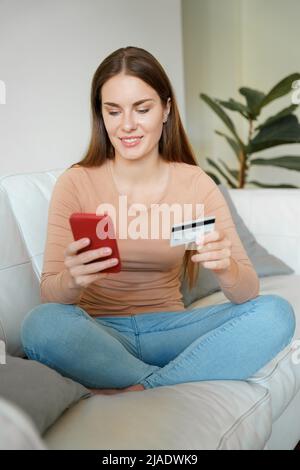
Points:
x=150 y=277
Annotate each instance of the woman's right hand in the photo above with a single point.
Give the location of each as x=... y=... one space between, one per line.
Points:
x=82 y=275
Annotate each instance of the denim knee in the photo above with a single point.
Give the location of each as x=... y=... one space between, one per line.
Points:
x=34 y=326
x=280 y=314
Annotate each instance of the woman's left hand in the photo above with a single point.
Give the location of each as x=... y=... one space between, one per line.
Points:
x=214 y=251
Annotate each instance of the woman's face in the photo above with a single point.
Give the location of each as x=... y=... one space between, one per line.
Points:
x=125 y=117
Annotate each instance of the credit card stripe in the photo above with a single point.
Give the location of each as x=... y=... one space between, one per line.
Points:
x=193 y=225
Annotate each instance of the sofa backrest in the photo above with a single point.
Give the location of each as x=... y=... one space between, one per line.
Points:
x=272 y=216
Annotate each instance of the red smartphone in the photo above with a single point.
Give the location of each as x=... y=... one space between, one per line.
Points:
x=100 y=230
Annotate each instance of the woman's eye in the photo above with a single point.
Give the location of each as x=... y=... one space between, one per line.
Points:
x=143 y=111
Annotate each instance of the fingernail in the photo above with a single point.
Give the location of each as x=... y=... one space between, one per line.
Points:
x=107 y=250
x=86 y=241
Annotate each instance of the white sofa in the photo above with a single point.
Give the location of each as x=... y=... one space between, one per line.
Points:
x=261 y=413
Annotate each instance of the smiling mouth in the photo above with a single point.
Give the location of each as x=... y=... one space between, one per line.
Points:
x=131 y=139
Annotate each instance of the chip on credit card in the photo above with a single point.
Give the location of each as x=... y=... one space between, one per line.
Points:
x=189 y=232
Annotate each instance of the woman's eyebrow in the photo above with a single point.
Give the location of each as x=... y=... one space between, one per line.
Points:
x=134 y=104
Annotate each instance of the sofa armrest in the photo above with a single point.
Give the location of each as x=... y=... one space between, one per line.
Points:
x=17 y=431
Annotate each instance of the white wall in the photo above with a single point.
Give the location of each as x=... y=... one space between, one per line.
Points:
x=233 y=43
x=49 y=51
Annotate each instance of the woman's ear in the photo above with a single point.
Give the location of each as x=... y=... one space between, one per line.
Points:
x=167 y=110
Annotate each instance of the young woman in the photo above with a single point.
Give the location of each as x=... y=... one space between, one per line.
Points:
x=115 y=332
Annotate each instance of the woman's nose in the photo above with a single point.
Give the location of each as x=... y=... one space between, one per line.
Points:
x=129 y=122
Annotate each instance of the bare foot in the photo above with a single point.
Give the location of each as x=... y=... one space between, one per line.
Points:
x=104 y=391
x=112 y=391
x=133 y=388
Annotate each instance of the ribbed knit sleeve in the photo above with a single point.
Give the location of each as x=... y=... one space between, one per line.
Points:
x=54 y=285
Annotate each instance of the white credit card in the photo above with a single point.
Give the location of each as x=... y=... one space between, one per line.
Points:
x=188 y=232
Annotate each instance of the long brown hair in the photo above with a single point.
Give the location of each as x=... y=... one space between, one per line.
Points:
x=173 y=144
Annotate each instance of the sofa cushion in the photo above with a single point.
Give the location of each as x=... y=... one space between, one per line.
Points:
x=194 y=415
x=38 y=390
x=264 y=263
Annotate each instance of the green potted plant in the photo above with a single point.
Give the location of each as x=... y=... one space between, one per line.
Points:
x=282 y=128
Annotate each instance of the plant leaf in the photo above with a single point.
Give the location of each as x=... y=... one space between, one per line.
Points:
x=290 y=162
x=233 y=173
x=285 y=130
x=284 y=112
x=264 y=185
x=254 y=99
x=235 y=106
x=233 y=144
x=281 y=88
x=213 y=164
x=222 y=115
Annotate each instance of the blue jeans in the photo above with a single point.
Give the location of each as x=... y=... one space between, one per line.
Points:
x=219 y=342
